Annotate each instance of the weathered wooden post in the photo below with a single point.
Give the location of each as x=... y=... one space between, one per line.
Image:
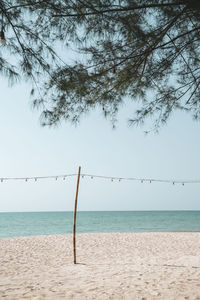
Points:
x=75 y=209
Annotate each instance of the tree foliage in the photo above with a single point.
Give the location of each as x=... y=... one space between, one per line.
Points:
x=147 y=51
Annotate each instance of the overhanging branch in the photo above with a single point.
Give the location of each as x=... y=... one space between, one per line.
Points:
x=123 y=9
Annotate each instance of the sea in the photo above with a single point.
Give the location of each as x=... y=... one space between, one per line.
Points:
x=15 y=224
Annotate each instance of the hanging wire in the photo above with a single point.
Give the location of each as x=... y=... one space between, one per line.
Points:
x=119 y=179
x=150 y=180
x=36 y=178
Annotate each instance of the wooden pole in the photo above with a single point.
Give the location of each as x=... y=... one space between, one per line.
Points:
x=75 y=209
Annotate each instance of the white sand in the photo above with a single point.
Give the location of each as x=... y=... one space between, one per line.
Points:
x=111 y=266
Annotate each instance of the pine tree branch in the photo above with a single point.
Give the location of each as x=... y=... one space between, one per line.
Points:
x=26 y=5
x=124 y=9
x=177 y=37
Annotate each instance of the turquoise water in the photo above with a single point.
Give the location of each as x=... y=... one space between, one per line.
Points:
x=40 y=223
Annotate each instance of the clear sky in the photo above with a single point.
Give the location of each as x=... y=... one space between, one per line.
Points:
x=27 y=149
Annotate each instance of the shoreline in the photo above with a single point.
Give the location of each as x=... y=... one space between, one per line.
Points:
x=141 y=265
x=82 y=233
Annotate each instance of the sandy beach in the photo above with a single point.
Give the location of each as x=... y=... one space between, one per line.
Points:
x=110 y=266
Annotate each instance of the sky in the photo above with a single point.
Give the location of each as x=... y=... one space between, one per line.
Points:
x=28 y=149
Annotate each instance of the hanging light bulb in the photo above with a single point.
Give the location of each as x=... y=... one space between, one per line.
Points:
x=35 y=179
x=1 y=179
x=63 y=178
x=141 y=181
x=3 y=40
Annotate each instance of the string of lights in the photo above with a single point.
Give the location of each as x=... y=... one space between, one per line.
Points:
x=91 y=176
x=148 y=180
x=36 y=178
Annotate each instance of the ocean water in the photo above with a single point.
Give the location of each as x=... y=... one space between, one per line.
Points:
x=42 y=223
